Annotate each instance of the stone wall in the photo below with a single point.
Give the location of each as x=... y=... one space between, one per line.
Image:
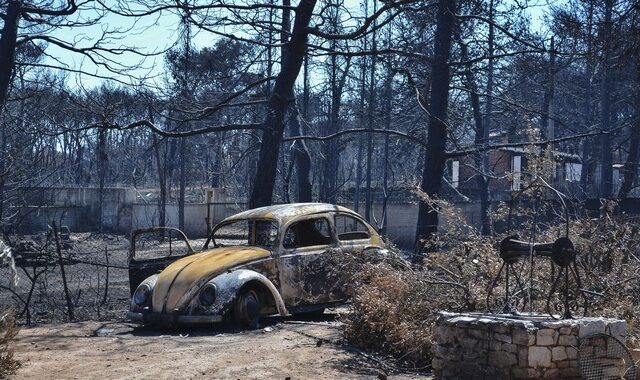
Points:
x=486 y=346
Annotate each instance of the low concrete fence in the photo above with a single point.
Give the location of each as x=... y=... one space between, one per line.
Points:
x=121 y=212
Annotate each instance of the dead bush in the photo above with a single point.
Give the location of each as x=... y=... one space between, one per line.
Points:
x=8 y=331
x=394 y=306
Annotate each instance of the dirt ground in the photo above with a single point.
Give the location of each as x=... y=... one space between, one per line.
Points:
x=103 y=346
x=283 y=349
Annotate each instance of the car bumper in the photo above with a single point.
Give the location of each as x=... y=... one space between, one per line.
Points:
x=164 y=319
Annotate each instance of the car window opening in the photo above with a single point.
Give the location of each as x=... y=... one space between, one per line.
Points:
x=253 y=233
x=307 y=233
x=350 y=228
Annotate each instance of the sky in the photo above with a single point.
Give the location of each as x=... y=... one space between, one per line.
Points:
x=156 y=34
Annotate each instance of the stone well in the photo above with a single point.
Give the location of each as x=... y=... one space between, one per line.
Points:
x=488 y=346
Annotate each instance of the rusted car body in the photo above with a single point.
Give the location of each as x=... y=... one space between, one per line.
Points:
x=269 y=260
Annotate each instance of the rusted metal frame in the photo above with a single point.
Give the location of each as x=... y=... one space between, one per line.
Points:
x=136 y=233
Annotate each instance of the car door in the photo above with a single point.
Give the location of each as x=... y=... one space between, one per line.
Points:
x=306 y=249
x=153 y=249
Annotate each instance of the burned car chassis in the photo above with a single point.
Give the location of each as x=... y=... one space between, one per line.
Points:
x=271 y=260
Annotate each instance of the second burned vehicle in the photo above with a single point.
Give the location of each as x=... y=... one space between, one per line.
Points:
x=270 y=260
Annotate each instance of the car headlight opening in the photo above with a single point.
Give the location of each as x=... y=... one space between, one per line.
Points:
x=141 y=296
x=207 y=295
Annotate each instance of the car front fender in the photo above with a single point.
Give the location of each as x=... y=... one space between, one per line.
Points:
x=227 y=287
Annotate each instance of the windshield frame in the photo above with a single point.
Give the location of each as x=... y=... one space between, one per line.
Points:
x=224 y=223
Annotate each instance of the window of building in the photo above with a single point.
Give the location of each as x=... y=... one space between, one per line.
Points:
x=516 y=170
x=455 y=174
x=572 y=171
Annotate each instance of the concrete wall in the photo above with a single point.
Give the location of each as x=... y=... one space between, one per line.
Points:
x=195 y=216
x=78 y=208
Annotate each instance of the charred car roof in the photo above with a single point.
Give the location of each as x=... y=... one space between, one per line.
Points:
x=285 y=212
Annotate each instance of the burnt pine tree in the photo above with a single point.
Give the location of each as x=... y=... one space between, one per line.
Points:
x=437 y=132
x=293 y=55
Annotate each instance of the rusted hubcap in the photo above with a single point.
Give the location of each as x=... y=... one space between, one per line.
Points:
x=247 y=311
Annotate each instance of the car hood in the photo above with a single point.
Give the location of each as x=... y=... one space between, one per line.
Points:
x=179 y=277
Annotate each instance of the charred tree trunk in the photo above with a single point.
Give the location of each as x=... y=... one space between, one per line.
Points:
x=437 y=133
x=363 y=86
x=216 y=175
x=263 y=184
x=182 y=182
x=387 y=126
x=371 y=124
x=331 y=147
x=162 y=179
x=631 y=165
x=479 y=159
x=162 y=176
x=8 y=39
x=587 y=143
x=606 y=173
x=300 y=156
x=546 y=121
x=102 y=172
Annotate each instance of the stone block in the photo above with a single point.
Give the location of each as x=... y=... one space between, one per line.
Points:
x=511 y=348
x=551 y=373
x=460 y=333
x=482 y=345
x=524 y=373
x=461 y=321
x=523 y=337
x=469 y=354
x=479 y=334
x=568 y=330
x=539 y=357
x=468 y=342
x=502 y=338
x=568 y=340
x=558 y=353
x=572 y=353
x=437 y=364
x=502 y=359
x=501 y=328
x=495 y=345
x=617 y=329
x=569 y=372
x=523 y=357
x=590 y=326
x=546 y=337
x=442 y=350
x=555 y=325
x=562 y=364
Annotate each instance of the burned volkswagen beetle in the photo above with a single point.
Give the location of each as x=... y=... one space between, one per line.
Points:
x=269 y=260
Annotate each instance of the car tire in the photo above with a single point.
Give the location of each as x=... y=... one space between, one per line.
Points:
x=247 y=309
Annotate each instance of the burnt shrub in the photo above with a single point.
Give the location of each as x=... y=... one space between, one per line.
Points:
x=394 y=305
x=8 y=332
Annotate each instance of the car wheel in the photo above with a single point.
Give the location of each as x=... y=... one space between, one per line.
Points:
x=247 y=309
